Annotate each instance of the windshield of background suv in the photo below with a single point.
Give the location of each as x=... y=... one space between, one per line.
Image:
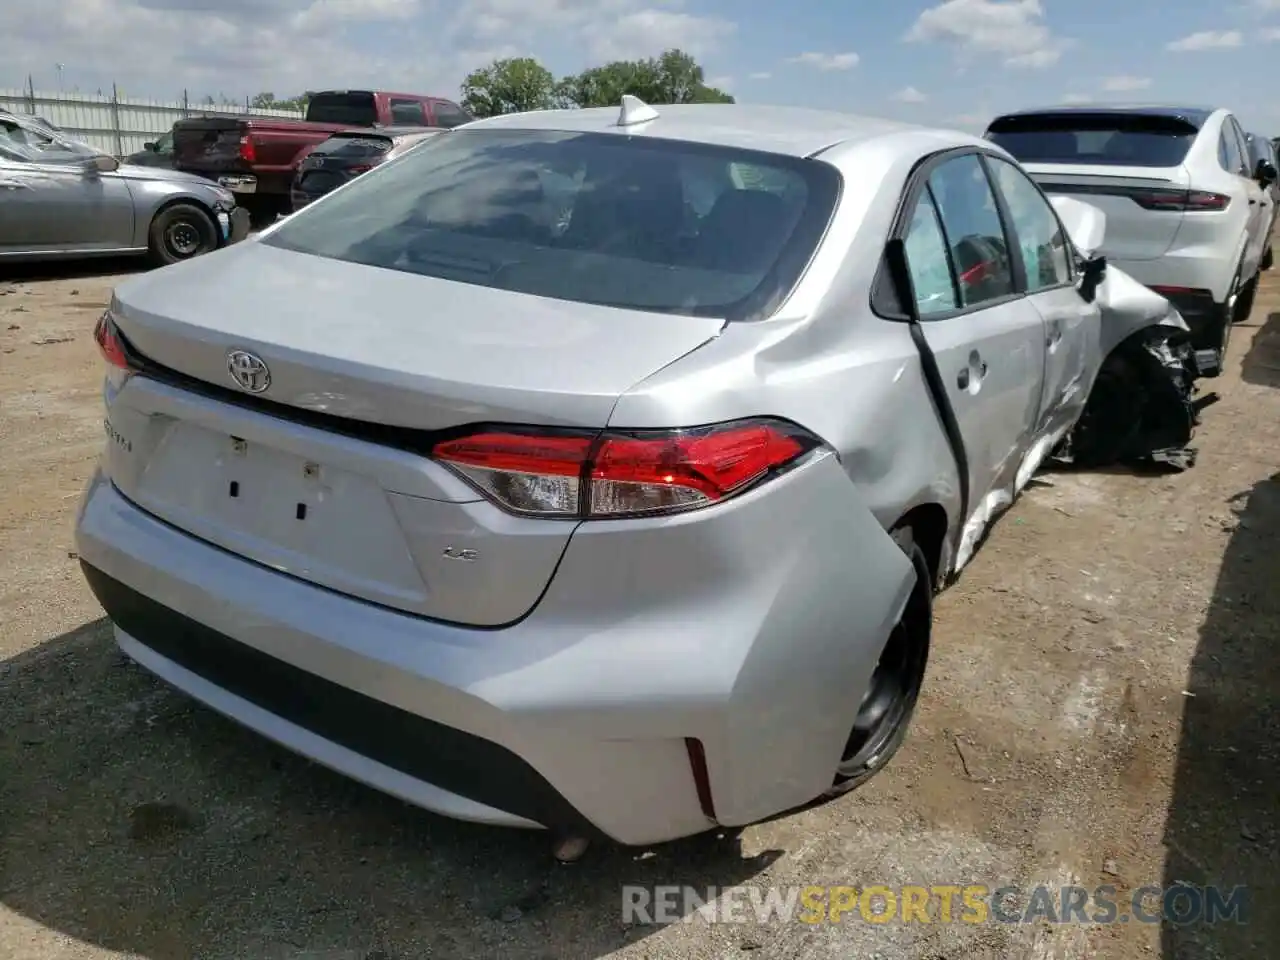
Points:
x=633 y=222
x=1106 y=139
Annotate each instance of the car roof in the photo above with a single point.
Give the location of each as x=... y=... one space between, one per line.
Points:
x=1197 y=116
x=796 y=131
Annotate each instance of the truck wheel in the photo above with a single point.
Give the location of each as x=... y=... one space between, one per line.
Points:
x=181 y=232
x=890 y=700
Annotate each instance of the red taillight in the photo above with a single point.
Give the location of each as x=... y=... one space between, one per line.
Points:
x=1179 y=200
x=581 y=475
x=109 y=342
x=248 y=152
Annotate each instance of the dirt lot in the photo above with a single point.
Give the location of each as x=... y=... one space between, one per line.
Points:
x=1101 y=708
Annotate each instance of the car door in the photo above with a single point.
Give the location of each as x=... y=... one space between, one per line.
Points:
x=1072 y=327
x=54 y=200
x=987 y=339
x=1237 y=163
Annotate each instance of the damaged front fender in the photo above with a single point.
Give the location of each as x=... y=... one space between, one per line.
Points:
x=1141 y=410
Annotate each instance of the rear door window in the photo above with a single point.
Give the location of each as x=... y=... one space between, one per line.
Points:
x=407 y=113
x=1040 y=237
x=974 y=231
x=1096 y=139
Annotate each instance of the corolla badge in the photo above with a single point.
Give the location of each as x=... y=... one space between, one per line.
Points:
x=248 y=371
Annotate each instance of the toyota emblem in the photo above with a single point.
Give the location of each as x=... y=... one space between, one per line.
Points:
x=248 y=371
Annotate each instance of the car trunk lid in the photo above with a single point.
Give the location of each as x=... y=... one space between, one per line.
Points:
x=324 y=474
x=1129 y=163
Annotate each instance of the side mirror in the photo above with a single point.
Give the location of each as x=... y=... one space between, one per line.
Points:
x=1265 y=172
x=151 y=145
x=101 y=164
x=1092 y=272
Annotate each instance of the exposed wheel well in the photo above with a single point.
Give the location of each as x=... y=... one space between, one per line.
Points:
x=928 y=523
x=185 y=201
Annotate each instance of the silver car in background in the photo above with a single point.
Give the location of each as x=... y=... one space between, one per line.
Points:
x=616 y=509
x=61 y=199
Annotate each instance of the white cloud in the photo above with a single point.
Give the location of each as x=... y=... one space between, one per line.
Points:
x=1207 y=40
x=1012 y=31
x=720 y=83
x=1124 y=83
x=909 y=95
x=158 y=48
x=1271 y=34
x=827 y=61
x=761 y=76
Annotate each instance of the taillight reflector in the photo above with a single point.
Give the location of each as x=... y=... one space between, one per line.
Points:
x=108 y=339
x=1179 y=200
x=248 y=152
x=590 y=475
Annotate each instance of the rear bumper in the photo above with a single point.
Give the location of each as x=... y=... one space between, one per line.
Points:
x=577 y=718
x=1197 y=289
x=239 y=225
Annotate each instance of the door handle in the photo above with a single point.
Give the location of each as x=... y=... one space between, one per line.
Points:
x=965 y=375
x=1055 y=333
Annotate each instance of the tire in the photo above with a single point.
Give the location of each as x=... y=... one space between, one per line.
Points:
x=866 y=754
x=1268 y=260
x=1244 y=304
x=181 y=232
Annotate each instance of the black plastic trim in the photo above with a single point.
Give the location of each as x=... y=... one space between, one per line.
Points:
x=463 y=764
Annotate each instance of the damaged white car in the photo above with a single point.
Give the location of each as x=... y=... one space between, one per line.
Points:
x=616 y=509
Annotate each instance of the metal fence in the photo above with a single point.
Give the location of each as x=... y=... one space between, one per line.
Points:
x=118 y=125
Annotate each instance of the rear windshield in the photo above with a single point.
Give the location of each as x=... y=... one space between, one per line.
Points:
x=356 y=148
x=633 y=222
x=356 y=109
x=1122 y=140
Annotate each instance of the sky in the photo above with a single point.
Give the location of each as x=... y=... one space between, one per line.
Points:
x=954 y=63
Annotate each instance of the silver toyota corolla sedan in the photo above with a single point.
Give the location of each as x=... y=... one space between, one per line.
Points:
x=615 y=509
x=62 y=199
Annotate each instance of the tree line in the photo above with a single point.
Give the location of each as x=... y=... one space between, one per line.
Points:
x=518 y=84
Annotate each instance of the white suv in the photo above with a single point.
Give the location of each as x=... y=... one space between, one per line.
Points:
x=1186 y=211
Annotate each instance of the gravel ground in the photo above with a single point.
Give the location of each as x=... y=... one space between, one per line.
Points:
x=1101 y=709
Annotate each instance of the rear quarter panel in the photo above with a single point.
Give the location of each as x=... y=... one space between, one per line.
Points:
x=825 y=361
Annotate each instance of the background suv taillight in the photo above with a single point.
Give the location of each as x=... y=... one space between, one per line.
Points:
x=248 y=152
x=1179 y=200
x=570 y=474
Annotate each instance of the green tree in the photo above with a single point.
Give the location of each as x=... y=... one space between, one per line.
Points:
x=674 y=77
x=267 y=101
x=513 y=85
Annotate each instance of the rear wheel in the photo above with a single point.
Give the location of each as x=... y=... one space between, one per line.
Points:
x=889 y=702
x=181 y=232
x=1268 y=260
x=1244 y=303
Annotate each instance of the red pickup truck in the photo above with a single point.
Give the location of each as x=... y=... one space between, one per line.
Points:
x=255 y=157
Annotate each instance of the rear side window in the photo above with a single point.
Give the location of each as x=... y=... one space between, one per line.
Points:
x=641 y=223
x=407 y=113
x=351 y=108
x=1229 y=150
x=974 y=232
x=1096 y=139
x=355 y=148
